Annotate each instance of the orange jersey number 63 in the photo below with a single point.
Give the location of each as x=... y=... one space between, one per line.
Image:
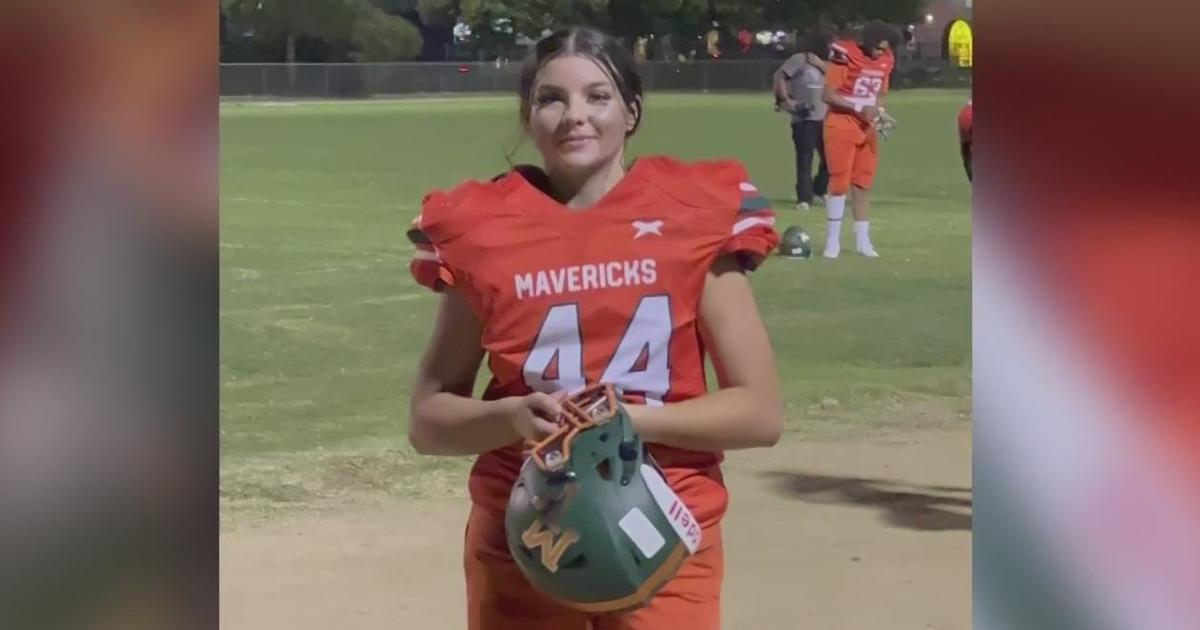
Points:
x=868 y=86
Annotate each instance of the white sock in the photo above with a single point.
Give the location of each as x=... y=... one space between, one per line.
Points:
x=835 y=208
x=862 y=234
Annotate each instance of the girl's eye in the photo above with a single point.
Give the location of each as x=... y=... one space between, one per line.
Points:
x=599 y=97
x=546 y=99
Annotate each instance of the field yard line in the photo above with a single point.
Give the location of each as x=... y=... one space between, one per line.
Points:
x=275 y=308
x=280 y=308
x=351 y=266
x=391 y=299
x=400 y=250
x=292 y=202
x=328 y=269
x=251 y=382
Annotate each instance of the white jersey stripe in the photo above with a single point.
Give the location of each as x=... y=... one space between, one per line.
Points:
x=749 y=222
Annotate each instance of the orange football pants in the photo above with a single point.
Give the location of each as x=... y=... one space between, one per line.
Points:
x=500 y=598
x=851 y=153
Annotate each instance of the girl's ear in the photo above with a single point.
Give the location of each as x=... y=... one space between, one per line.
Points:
x=632 y=114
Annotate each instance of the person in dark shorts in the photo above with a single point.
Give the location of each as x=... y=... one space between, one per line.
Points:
x=798 y=85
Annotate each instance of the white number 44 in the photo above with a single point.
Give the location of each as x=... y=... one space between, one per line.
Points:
x=639 y=364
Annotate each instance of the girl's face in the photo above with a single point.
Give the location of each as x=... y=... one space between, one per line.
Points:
x=577 y=117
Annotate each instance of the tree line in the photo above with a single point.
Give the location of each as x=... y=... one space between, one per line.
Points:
x=403 y=30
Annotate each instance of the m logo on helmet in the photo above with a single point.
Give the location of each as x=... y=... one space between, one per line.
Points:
x=552 y=549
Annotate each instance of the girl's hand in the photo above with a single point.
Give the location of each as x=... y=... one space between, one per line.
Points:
x=535 y=416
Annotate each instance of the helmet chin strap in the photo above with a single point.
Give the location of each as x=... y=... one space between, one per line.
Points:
x=629 y=450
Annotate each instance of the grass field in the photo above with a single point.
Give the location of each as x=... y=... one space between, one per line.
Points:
x=321 y=325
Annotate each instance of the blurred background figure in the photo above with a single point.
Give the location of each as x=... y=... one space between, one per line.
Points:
x=798 y=86
x=745 y=40
x=1086 y=352
x=108 y=327
x=966 y=121
x=713 y=42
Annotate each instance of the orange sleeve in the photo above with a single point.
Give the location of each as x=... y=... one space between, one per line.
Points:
x=439 y=258
x=752 y=238
x=835 y=75
x=427 y=266
x=750 y=233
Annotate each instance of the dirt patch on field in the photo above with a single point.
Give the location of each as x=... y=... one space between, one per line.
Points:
x=871 y=533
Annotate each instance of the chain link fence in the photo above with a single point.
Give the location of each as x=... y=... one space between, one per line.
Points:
x=362 y=80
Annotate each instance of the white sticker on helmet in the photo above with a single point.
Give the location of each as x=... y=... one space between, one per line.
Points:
x=678 y=514
x=642 y=532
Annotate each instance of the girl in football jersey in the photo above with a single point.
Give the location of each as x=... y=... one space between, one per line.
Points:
x=583 y=271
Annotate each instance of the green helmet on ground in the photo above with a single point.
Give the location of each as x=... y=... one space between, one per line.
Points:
x=591 y=521
x=795 y=243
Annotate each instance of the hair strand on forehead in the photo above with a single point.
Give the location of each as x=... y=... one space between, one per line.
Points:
x=593 y=44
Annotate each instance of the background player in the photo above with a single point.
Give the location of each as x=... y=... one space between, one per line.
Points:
x=856 y=81
x=799 y=84
x=583 y=271
x=966 y=124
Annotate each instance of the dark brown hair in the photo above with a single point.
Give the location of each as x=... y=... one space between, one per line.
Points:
x=595 y=45
x=878 y=31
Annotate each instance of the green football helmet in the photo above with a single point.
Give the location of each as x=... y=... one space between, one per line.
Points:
x=591 y=521
x=796 y=243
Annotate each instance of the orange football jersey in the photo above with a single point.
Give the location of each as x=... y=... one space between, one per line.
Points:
x=607 y=294
x=856 y=76
x=966 y=122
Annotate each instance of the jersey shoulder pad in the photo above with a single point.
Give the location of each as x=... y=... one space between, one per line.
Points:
x=844 y=51
x=716 y=184
x=732 y=205
x=446 y=214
